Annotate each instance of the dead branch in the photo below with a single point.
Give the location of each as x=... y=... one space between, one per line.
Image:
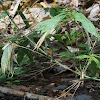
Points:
x=22 y=94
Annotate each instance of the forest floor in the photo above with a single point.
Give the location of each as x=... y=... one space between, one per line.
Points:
x=52 y=83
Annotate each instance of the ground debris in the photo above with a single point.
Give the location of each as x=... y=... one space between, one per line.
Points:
x=22 y=94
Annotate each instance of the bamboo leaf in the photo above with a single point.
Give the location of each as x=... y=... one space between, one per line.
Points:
x=96 y=61
x=47 y=26
x=82 y=57
x=87 y=25
x=6 y=57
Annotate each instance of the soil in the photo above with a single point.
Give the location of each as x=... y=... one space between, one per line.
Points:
x=55 y=85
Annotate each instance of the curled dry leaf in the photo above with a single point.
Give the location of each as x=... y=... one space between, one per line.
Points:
x=64 y=2
x=40 y=41
x=94 y=11
x=6 y=4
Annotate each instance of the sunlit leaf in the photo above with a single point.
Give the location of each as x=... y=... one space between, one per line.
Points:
x=47 y=27
x=83 y=56
x=87 y=25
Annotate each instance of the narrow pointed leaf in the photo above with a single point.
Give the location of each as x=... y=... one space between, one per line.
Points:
x=96 y=61
x=48 y=25
x=82 y=57
x=6 y=57
x=87 y=25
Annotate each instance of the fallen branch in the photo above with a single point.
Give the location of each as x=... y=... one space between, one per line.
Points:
x=22 y=94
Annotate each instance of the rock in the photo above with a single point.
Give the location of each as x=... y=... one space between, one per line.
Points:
x=84 y=97
x=13 y=98
x=2 y=95
x=60 y=87
x=70 y=98
x=59 y=69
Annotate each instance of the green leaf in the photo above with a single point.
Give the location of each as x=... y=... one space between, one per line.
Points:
x=67 y=53
x=52 y=12
x=87 y=25
x=48 y=25
x=21 y=51
x=8 y=83
x=96 y=61
x=92 y=69
x=24 y=19
x=97 y=74
x=16 y=81
x=63 y=53
x=83 y=56
x=84 y=45
x=46 y=10
x=58 y=37
x=6 y=57
x=82 y=51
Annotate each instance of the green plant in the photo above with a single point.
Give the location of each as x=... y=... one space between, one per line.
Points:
x=48 y=26
x=93 y=63
x=9 y=79
x=25 y=46
x=54 y=11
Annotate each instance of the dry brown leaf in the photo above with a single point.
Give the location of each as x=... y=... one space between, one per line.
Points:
x=43 y=4
x=75 y=3
x=6 y=4
x=40 y=41
x=95 y=11
x=14 y=7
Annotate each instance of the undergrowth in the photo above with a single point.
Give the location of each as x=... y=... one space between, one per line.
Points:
x=69 y=29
